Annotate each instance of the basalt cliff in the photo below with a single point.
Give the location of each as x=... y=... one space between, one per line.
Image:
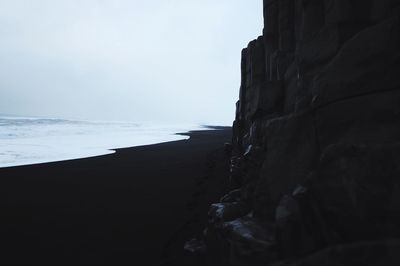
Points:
x=315 y=155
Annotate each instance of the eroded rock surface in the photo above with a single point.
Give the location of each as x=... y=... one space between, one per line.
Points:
x=315 y=168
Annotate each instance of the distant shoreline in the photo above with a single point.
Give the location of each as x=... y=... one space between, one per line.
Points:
x=30 y=141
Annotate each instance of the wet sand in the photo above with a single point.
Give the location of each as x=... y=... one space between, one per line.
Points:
x=134 y=207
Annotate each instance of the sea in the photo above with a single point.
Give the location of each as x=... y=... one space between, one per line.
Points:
x=33 y=140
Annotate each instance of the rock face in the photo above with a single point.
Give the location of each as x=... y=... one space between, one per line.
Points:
x=316 y=140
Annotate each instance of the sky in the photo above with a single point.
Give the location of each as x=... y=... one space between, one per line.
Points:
x=125 y=60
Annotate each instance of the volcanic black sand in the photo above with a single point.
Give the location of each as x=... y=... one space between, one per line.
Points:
x=134 y=207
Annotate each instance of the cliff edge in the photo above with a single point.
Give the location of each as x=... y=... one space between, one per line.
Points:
x=315 y=166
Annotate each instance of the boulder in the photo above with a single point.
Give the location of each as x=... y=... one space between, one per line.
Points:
x=232 y=196
x=251 y=242
x=195 y=246
x=227 y=211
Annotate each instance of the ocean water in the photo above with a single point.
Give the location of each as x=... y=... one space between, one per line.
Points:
x=27 y=140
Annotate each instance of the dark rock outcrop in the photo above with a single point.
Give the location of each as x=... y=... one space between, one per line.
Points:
x=315 y=163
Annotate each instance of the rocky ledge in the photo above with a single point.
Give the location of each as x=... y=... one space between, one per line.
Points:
x=315 y=160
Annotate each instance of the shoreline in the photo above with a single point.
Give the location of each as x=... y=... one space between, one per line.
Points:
x=112 y=209
x=110 y=151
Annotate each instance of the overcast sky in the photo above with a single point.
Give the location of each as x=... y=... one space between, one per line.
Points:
x=153 y=60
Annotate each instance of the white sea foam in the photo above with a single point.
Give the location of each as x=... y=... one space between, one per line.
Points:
x=25 y=140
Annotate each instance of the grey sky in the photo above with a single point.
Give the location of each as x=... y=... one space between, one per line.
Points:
x=154 y=60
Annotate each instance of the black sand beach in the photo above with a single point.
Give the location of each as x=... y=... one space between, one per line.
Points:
x=134 y=207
